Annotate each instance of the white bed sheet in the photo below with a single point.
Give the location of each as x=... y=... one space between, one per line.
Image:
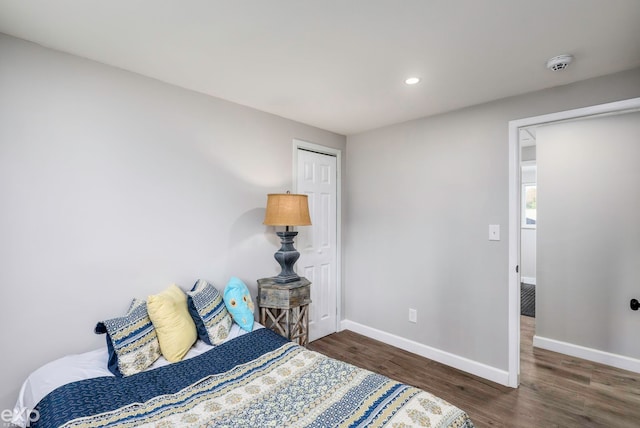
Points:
x=92 y=364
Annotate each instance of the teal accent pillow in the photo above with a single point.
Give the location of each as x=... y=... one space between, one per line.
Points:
x=239 y=304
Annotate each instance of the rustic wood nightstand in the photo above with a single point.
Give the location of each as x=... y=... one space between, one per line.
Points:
x=284 y=308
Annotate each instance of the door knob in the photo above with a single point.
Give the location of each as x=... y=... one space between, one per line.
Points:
x=634 y=304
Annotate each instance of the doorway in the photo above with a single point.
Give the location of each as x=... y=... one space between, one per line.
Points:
x=528 y=220
x=515 y=212
x=316 y=170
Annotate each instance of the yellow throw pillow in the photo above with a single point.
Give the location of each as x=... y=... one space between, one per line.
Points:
x=174 y=326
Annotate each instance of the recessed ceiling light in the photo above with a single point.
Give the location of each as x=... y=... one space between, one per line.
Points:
x=412 y=80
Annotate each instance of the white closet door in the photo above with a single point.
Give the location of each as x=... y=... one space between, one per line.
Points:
x=317 y=243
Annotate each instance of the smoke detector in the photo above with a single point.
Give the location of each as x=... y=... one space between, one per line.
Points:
x=559 y=62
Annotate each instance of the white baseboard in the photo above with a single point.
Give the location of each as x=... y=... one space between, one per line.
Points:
x=595 y=355
x=461 y=363
x=528 y=280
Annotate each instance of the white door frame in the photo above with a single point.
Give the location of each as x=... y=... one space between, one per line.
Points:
x=514 y=212
x=305 y=145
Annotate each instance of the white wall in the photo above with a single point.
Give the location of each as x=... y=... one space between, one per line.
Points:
x=528 y=255
x=588 y=234
x=528 y=153
x=421 y=195
x=113 y=186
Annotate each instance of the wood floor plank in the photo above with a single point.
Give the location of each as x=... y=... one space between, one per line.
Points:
x=555 y=390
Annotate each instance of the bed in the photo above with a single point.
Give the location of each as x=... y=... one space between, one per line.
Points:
x=257 y=379
x=198 y=359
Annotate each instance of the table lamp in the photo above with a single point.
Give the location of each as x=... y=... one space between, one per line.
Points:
x=286 y=209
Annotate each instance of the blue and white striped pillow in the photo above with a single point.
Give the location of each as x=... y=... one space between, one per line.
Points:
x=208 y=311
x=131 y=340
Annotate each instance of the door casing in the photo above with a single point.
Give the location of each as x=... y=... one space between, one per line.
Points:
x=514 y=214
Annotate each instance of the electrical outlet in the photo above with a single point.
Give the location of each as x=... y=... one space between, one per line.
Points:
x=413 y=315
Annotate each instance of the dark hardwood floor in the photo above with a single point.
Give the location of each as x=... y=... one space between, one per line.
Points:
x=555 y=390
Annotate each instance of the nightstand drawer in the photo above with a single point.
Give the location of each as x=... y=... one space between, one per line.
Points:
x=283 y=296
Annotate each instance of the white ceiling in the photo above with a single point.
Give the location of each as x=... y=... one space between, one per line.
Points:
x=340 y=64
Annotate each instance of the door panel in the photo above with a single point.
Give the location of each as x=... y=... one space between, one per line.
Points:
x=588 y=234
x=317 y=243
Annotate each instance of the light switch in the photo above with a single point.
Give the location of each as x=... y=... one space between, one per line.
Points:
x=494 y=232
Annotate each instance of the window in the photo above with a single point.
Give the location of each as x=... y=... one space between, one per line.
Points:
x=529 y=205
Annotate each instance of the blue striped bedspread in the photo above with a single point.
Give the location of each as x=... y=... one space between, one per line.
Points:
x=257 y=380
